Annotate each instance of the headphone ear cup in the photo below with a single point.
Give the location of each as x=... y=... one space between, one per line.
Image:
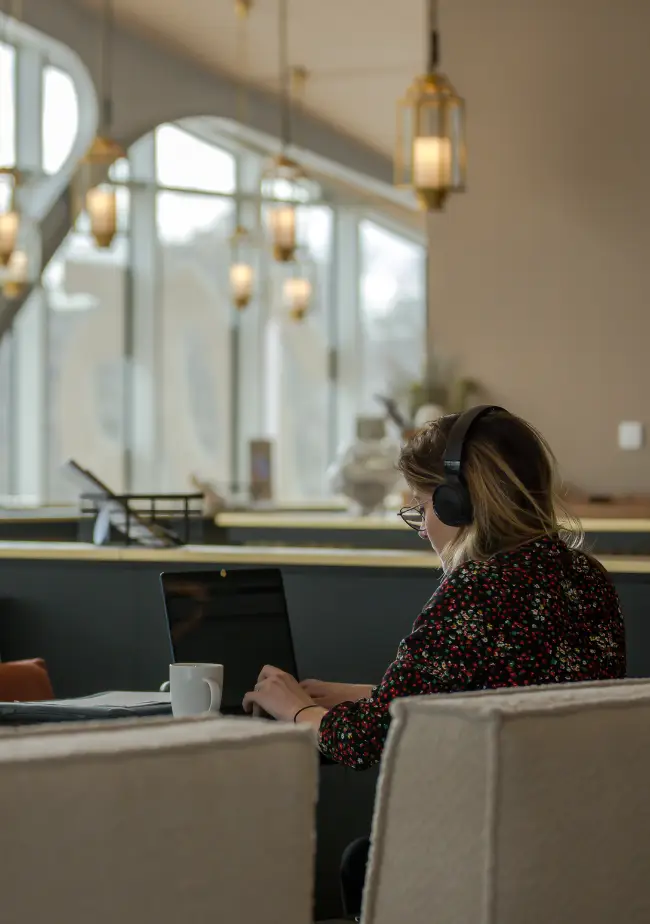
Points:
x=452 y=504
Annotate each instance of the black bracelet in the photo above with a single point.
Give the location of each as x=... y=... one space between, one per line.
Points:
x=312 y=706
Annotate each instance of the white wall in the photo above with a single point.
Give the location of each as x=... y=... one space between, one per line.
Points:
x=540 y=274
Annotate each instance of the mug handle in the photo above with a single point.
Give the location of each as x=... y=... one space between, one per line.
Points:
x=164 y=687
x=215 y=695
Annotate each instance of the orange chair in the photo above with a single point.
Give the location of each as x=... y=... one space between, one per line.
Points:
x=26 y=681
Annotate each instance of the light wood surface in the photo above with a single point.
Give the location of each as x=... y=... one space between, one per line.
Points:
x=262 y=555
x=389 y=520
x=221 y=554
x=330 y=517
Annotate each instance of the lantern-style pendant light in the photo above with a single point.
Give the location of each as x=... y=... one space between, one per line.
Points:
x=297 y=296
x=430 y=157
x=284 y=181
x=96 y=194
x=242 y=275
x=241 y=268
x=298 y=287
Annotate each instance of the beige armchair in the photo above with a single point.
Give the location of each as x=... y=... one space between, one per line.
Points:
x=158 y=822
x=522 y=807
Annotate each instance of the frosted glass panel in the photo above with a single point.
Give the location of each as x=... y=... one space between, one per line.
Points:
x=186 y=161
x=193 y=232
x=60 y=122
x=297 y=366
x=85 y=289
x=7 y=106
x=392 y=314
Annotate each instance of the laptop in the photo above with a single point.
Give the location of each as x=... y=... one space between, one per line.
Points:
x=237 y=618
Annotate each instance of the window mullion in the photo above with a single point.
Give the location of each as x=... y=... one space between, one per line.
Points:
x=30 y=328
x=346 y=300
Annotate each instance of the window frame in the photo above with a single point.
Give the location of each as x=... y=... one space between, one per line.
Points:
x=246 y=330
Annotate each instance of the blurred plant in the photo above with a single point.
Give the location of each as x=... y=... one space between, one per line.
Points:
x=442 y=386
x=453 y=396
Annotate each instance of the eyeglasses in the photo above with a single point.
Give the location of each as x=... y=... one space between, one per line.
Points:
x=413 y=516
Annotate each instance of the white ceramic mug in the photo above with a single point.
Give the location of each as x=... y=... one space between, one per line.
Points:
x=195 y=688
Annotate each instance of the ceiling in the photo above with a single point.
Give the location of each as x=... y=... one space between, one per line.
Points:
x=360 y=54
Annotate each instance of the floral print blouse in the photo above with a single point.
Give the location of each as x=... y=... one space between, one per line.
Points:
x=539 y=614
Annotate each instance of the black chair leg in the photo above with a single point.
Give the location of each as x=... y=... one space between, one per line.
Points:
x=353 y=874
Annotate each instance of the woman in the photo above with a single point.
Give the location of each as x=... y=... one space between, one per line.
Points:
x=519 y=603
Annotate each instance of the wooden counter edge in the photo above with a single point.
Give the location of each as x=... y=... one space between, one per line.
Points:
x=263 y=555
x=338 y=521
x=390 y=522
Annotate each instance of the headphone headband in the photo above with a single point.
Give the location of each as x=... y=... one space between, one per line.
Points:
x=452 y=459
x=452 y=503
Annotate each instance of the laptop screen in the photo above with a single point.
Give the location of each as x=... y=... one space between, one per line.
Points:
x=236 y=618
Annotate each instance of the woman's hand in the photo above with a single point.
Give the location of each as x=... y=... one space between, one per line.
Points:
x=277 y=693
x=331 y=694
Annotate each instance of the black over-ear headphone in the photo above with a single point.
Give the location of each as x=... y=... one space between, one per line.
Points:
x=452 y=503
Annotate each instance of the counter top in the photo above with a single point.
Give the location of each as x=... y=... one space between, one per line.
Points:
x=222 y=554
x=70 y=512
x=329 y=517
x=263 y=555
x=390 y=520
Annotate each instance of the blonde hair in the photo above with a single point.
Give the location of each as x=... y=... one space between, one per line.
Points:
x=511 y=475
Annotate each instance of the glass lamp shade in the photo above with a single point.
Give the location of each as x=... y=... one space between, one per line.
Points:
x=241 y=284
x=296 y=292
x=15 y=282
x=9 y=225
x=282 y=225
x=430 y=157
x=101 y=206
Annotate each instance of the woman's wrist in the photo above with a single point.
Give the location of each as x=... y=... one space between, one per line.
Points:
x=312 y=715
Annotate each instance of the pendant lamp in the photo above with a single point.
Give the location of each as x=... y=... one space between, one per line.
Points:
x=242 y=274
x=284 y=182
x=430 y=156
x=95 y=192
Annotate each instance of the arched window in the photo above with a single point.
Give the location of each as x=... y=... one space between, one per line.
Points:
x=45 y=141
x=153 y=376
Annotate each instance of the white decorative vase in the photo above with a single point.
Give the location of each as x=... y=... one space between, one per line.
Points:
x=365 y=472
x=427 y=413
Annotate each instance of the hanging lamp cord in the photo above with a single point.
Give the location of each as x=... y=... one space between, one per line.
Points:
x=285 y=75
x=4 y=9
x=106 y=68
x=242 y=10
x=434 y=37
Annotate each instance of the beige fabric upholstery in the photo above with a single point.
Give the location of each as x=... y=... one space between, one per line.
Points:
x=158 y=823
x=517 y=807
